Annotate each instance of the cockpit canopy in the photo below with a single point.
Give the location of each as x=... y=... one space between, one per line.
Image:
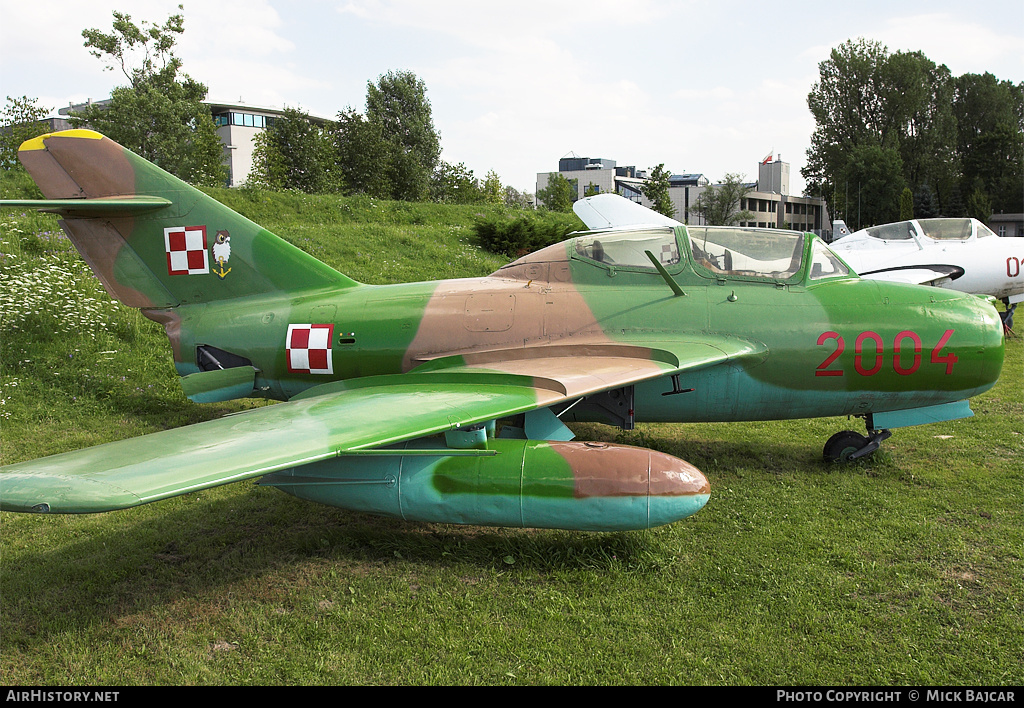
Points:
x=937 y=229
x=717 y=251
x=628 y=249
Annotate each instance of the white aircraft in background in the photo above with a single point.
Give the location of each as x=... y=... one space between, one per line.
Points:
x=959 y=254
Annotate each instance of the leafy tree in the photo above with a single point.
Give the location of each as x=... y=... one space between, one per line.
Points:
x=719 y=204
x=454 y=184
x=160 y=114
x=398 y=105
x=878 y=174
x=21 y=120
x=363 y=155
x=295 y=153
x=847 y=110
x=866 y=96
x=516 y=199
x=919 y=94
x=559 y=195
x=656 y=190
x=393 y=150
x=947 y=131
x=491 y=189
x=990 y=138
x=955 y=205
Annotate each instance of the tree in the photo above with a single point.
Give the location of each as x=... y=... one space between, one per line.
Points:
x=517 y=200
x=990 y=138
x=979 y=206
x=392 y=151
x=295 y=153
x=21 y=120
x=925 y=206
x=363 y=154
x=906 y=204
x=454 y=184
x=719 y=204
x=869 y=97
x=491 y=189
x=878 y=174
x=656 y=190
x=847 y=110
x=397 y=104
x=160 y=114
x=559 y=195
x=948 y=131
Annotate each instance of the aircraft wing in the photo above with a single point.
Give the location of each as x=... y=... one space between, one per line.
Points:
x=916 y=274
x=345 y=416
x=610 y=211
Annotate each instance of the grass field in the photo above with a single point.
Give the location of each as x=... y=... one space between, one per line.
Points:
x=904 y=569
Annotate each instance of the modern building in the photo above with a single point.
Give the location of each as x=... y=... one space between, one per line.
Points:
x=768 y=200
x=596 y=175
x=238 y=124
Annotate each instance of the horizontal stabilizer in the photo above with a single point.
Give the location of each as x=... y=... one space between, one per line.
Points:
x=91 y=207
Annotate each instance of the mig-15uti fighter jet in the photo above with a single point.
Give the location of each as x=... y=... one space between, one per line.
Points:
x=446 y=401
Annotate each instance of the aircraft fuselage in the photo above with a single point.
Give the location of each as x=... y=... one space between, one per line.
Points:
x=829 y=347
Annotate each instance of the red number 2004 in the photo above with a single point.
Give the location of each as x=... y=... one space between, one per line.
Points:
x=869 y=353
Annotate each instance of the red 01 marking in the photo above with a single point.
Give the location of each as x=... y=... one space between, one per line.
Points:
x=871 y=362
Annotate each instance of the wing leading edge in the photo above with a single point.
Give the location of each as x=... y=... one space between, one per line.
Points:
x=340 y=417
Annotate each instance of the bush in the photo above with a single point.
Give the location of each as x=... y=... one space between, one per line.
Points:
x=515 y=236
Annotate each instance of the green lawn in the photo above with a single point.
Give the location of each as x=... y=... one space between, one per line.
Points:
x=905 y=569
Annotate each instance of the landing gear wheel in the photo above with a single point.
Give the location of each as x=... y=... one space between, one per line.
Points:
x=843 y=444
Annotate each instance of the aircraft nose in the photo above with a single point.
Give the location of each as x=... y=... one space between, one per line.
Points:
x=975 y=339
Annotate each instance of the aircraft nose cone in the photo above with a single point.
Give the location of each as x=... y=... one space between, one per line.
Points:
x=980 y=343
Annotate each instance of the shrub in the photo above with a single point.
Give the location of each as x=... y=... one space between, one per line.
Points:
x=518 y=235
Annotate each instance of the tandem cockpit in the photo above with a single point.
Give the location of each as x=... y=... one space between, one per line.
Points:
x=714 y=252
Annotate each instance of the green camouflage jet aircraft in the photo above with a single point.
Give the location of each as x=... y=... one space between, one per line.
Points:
x=446 y=401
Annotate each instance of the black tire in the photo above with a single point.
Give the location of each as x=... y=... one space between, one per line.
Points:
x=843 y=444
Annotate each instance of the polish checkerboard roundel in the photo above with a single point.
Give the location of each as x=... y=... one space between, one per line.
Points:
x=308 y=349
x=186 y=250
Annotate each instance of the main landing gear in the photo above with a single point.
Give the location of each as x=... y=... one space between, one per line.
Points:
x=847 y=445
x=1007 y=316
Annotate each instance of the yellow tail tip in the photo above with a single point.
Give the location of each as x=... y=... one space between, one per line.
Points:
x=38 y=142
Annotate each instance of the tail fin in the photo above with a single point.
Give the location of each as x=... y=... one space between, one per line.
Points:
x=839 y=229
x=153 y=240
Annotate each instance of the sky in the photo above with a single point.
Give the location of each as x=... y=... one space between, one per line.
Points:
x=701 y=86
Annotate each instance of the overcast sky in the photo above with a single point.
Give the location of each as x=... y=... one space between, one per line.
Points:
x=699 y=85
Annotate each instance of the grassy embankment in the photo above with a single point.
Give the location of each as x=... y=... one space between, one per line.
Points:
x=903 y=569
